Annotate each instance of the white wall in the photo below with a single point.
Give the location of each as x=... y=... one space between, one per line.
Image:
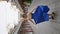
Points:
x=8 y=16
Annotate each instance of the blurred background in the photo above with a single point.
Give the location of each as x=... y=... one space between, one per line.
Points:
x=9 y=14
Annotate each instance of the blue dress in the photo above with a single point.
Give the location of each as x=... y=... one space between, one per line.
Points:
x=40 y=14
